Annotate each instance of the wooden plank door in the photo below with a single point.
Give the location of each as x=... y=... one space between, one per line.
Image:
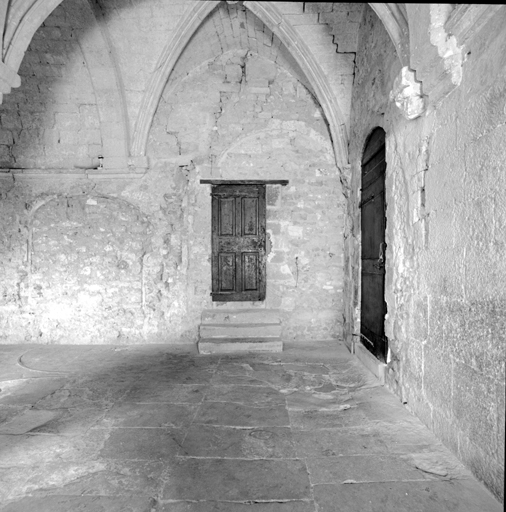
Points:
x=373 y=222
x=238 y=243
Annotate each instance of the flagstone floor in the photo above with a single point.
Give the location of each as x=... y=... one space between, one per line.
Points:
x=160 y=429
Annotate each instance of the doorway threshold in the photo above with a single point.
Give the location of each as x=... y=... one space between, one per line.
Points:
x=375 y=366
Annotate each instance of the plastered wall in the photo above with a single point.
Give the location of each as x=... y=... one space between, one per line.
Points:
x=446 y=214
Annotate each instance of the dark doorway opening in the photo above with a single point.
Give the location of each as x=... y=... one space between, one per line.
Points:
x=373 y=222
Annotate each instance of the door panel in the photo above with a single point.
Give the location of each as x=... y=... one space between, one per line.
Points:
x=373 y=222
x=238 y=243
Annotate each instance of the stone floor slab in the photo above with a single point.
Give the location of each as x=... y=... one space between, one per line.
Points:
x=249 y=395
x=237 y=480
x=362 y=468
x=224 y=506
x=109 y=428
x=250 y=443
x=425 y=496
x=26 y=450
x=28 y=391
x=80 y=504
x=344 y=415
x=142 y=444
x=238 y=415
x=149 y=392
x=154 y=415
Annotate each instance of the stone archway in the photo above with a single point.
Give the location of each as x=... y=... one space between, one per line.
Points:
x=271 y=17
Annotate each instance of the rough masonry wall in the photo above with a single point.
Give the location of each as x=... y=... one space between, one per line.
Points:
x=241 y=116
x=90 y=257
x=446 y=214
x=52 y=120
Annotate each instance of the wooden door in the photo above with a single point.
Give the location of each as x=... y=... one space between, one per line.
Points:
x=373 y=221
x=238 y=242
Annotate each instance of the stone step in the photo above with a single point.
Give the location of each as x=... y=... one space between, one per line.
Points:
x=240 y=316
x=241 y=345
x=240 y=330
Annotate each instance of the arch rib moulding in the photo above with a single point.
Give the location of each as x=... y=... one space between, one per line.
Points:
x=395 y=21
x=24 y=29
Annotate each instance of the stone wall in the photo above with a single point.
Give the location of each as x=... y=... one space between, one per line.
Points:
x=445 y=244
x=254 y=120
x=92 y=257
x=52 y=120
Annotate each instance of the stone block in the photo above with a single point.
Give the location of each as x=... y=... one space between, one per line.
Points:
x=260 y=69
x=479 y=422
x=233 y=73
x=290 y=7
x=240 y=316
x=242 y=345
x=240 y=330
x=318 y=7
x=302 y=19
x=438 y=377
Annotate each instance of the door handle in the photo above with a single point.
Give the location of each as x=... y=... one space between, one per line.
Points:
x=381 y=257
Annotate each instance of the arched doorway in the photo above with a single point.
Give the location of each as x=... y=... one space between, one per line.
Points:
x=373 y=223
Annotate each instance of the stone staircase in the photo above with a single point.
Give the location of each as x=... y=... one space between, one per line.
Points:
x=240 y=330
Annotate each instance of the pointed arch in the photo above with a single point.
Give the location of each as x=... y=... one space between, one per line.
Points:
x=269 y=14
x=168 y=58
x=30 y=14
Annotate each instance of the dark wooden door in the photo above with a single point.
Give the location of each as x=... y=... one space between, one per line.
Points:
x=373 y=221
x=238 y=242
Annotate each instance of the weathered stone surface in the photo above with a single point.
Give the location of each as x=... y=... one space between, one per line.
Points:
x=191 y=453
x=169 y=392
x=417 y=496
x=88 y=503
x=116 y=249
x=241 y=443
x=142 y=444
x=230 y=345
x=259 y=396
x=238 y=415
x=361 y=468
x=153 y=415
x=224 y=506
x=237 y=480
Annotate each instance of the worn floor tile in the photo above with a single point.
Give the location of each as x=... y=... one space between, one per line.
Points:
x=238 y=415
x=250 y=395
x=250 y=443
x=361 y=468
x=426 y=496
x=28 y=420
x=224 y=506
x=344 y=415
x=30 y=449
x=336 y=442
x=155 y=415
x=318 y=401
x=80 y=504
x=142 y=443
x=17 y=481
x=237 y=480
x=113 y=427
x=88 y=395
x=28 y=391
x=106 y=478
x=157 y=392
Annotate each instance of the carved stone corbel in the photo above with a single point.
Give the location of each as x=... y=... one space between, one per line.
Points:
x=407 y=94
